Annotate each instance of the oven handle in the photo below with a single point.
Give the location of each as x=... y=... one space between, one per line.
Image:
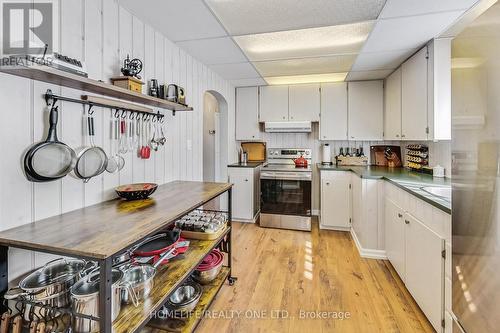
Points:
x=286 y=176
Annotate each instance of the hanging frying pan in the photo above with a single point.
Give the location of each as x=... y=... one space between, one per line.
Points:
x=51 y=159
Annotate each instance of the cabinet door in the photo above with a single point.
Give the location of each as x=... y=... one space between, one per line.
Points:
x=395 y=237
x=366 y=110
x=414 y=97
x=333 y=119
x=336 y=200
x=304 y=102
x=392 y=115
x=273 y=103
x=242 y=193
x=425 y=269
x=247 y=113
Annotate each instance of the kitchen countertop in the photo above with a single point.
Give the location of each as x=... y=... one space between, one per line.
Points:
x=245 y=165
x=407 y=180
x=105 y=229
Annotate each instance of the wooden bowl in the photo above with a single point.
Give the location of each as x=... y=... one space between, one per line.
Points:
x=136 y=191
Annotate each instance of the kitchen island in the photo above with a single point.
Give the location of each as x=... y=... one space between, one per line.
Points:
x=103 y=231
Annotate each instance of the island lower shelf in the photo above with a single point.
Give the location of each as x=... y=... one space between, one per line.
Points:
x=189 y=323
x=167 y=279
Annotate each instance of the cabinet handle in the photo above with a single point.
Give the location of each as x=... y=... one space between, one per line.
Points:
x=403 y=136
x=400 y=215
x=352 y=137
x=407 y=222
x=397 y=135
x=283 y=117
x=246 y=180
x=327 y=183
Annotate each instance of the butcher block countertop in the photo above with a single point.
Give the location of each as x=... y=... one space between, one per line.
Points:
x=103 y=230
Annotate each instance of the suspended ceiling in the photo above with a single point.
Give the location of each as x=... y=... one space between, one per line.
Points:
x=257 y=42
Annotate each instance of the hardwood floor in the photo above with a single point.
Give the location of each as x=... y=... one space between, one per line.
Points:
x=303 y=273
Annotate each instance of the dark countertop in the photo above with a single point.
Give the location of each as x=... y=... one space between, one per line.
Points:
x=407 y=180
x=245 y=165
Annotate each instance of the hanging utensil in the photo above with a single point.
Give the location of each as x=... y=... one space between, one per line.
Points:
x=91 y=160
x=123 y=137
x=112 y=165
x=162 y=139
x=51 y=159
x=153 y=143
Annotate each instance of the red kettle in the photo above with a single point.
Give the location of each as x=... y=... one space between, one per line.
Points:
x=300 y=162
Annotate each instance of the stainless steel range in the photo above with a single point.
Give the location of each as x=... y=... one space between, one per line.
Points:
x=286 y=190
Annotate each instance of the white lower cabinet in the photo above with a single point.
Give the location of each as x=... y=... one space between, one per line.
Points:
x=395 y=237
x=335 y=200
x=245 y=193
x=415 y=238
x=425 y=269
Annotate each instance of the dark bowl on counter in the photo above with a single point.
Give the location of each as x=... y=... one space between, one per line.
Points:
x=137 y=191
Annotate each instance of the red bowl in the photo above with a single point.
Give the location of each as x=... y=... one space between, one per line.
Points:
x=136 y=191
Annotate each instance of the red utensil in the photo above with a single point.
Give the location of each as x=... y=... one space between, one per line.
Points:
x=300 y=162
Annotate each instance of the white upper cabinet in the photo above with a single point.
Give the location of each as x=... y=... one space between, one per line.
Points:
x=366 y=110
x=247 y=113
x=304 y=102
x=333 y=120
x=273 y=103
x=392 y=116
x=414 y=97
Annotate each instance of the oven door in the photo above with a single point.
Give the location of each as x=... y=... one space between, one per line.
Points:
x=285 y=193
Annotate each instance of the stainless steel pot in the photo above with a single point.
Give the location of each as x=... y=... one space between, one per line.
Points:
x=55 y=277
x=141 y=278
x=85 y=297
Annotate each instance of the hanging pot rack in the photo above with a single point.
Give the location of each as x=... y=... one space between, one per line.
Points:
x=51 y=99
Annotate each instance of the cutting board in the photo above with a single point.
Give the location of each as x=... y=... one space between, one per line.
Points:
x=256 y=151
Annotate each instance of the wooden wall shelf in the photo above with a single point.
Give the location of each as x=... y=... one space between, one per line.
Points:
x=54 y=76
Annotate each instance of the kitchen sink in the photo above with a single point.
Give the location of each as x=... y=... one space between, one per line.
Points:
x=443 y=192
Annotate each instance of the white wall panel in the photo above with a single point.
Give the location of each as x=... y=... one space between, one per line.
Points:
x=101 y=33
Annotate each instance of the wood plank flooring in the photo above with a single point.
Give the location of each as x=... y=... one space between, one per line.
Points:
x=317 y=273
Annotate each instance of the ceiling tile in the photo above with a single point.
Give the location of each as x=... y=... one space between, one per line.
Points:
x=257 y=16
x=181 y=15
x=368 y=75
x=298 y=79
x=341 y=39
x=304 y=66
x=407 y=32
x=248 y=82
x=395 y=8
x=381 y=60
x=243 y=70
x=213 y=51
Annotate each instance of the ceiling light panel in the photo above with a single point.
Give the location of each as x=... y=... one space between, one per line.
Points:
x=305 y=66
x=340 y=39
x=257 y=16
x=299 y=79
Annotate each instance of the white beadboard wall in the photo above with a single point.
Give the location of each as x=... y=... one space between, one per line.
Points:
x=101 y=33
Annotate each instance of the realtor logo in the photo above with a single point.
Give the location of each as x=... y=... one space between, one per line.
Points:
x=27 y=27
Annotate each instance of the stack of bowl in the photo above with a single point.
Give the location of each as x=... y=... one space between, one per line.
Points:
x=209 y=268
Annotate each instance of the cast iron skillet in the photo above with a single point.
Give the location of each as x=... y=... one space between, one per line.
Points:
x=51 y=159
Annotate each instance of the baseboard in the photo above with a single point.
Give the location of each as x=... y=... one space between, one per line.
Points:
x=367 y=253
x=325 y=227
x=247 y=220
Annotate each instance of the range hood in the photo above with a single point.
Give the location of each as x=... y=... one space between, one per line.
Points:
x=288 y=127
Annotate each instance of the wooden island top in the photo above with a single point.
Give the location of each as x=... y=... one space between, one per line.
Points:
x=103 y=230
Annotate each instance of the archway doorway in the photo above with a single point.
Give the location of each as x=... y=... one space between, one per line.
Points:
x=215 y=138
